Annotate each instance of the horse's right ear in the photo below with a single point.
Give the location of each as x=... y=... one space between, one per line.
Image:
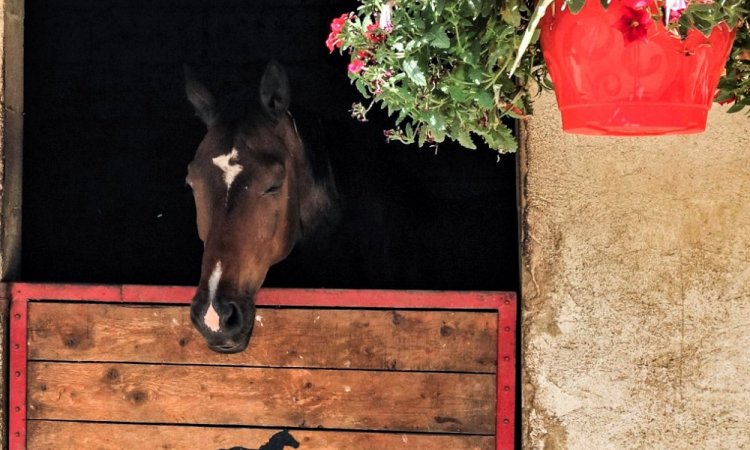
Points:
x=201 y=98
x=274 y=90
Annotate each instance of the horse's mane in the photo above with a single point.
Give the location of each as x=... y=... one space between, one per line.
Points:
x=312 y=132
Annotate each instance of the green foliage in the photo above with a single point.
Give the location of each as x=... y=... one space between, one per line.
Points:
x=703 y=16
x=734 y=87
x=443 y=68
x=454 y=69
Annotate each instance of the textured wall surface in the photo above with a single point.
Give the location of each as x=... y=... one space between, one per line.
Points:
x=636 y=287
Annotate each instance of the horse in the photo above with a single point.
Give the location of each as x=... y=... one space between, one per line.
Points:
x=355 y=213
x=255 y=194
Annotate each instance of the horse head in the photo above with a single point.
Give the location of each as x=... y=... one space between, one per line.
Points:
x=255 y=196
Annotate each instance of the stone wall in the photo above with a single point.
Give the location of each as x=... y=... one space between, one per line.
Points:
x=636 y=287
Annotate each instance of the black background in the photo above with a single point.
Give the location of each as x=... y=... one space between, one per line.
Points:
x=109 y=133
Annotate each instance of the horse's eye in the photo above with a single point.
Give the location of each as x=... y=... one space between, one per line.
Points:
x=274 y=188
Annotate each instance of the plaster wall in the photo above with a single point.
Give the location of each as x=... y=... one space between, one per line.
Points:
x=636 y=287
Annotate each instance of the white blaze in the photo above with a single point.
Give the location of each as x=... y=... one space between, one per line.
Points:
x=211 y=319
x=228 y=164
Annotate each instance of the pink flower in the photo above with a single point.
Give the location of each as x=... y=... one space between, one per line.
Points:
x=673 y=9
x=385 y=22
x=636 y=4
x=634 y=24
x=356 y=66
x=675 y=14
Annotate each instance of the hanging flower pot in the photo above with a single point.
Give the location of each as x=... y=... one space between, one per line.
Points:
x=619 y=72
x=462 y=70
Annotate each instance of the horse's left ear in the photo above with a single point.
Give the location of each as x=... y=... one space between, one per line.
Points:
x=274 y=90
x=201 y=98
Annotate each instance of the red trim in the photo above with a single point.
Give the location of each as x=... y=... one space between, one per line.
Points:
x=29 y=291
x=17 y=389
x=503 y=302
x=360 y=298
x=506 y=373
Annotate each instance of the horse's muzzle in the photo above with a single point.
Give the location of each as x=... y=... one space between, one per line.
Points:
x=230 y=346
x=228 y=326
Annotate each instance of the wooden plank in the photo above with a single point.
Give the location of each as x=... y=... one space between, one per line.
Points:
x=456 y=341
x=350 y=400
x=48 y=435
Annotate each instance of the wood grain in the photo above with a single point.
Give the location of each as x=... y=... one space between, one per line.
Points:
x=45 y=435
x=350 y=400
x=455 y=341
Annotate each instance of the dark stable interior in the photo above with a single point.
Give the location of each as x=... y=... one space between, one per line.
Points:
x=109 y=133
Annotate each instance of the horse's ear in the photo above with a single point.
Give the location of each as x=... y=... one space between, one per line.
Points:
x=201 y=98
x=275 y=93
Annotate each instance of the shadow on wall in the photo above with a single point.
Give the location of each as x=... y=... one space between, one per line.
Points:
x=108 y=135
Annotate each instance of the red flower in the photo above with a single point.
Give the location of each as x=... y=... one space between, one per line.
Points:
x=729 y=100
x=374 y=33
x=634 y=24
x=356 y=66
x=364 y=55
x=338 y=23
x=333 y=42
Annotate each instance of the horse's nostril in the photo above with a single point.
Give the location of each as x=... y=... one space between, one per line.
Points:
x=232 y=320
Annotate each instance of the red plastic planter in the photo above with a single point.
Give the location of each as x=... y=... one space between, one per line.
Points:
x=610 y=83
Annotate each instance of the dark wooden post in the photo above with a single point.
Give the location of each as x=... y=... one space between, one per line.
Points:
x=11 y=168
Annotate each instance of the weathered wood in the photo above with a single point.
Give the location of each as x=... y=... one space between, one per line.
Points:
x=49 y=435
x=351 y=400
x=11 y=137
x=363 y=339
